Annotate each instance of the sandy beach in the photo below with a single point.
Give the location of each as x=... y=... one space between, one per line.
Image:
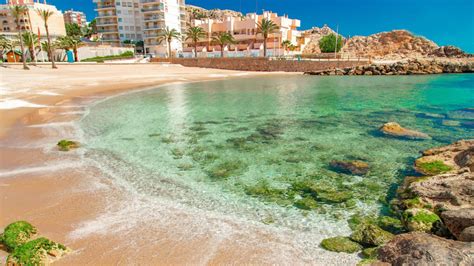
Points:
x=103 y=221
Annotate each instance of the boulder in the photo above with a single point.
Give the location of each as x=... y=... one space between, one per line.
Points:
x=458 y=220
x=450 y=191
x=425 y=249
x=340 y=244
x=370 y=235
x=393 y=129
x=467 y=235
x=350 y=167
x=419 y=220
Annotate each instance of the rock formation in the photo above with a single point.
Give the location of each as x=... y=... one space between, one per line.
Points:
x=315 y=35
x=397 y=44
x=393 y=129
x=195 y=12
x=426 y=249
x=351 y=167
x=407 y=67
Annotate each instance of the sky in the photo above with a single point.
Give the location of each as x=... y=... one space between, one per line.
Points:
x=445 y=22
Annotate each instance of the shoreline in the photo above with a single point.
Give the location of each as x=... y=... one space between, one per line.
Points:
x=74 y=203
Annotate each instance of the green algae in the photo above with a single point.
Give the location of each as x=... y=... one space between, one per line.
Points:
x=67 y=145
x=340 y=244
x=433 y=168
x=34 y=252
x=307 y=203
x=420 y=220
x=365 y=262
x=369 y=234
x=226 y=169
x=17 y=233
x=370 y=253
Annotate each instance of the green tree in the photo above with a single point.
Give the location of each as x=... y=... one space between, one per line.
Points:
x=168 y=35
x=45 y=15
x=72 y=29
x=222 y=39
x=266 y=27
x=5 y=45
x=194 y=34
x=327 y=44
x=31 y=41
x=90 y=29
x=70 y=43
x=18 y=13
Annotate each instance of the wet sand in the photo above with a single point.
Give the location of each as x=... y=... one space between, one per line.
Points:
x=101 y=219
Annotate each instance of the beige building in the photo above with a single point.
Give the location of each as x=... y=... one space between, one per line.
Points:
x=140 y=20
x=31 y=21
x=76 y=17
x=244 y=30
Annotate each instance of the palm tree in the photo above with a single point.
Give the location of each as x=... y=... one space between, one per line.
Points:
x=18 y=12
x=168 y=36
x=48 y=48
x=70 y=43
x=195 y=33
x=31 y=41
x=266 y=27
x=45 y=15
x=222 y=39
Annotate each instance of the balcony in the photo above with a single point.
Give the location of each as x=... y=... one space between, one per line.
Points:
x=106 y=23
x=107 y=15
x=154 y=27
x=105 y=7
x=108 y=31
x=152 y=9
x=154 y=18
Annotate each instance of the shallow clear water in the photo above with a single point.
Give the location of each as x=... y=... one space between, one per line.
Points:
x=249 y=147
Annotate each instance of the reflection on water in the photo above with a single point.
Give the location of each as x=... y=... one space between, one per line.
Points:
x=260 y=148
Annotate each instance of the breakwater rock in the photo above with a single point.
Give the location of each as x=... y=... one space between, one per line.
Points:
x=408 y=67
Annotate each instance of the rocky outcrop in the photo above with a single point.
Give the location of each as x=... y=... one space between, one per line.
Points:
x=449 y=51
x=315 y=34
x=350 y=167
x=195 y=12
x=408 y=67
x=456 y=156
x=458 y=220
x=393 y=129
x=425 y=249
x=397 y=44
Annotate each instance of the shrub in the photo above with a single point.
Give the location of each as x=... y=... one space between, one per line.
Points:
x=327 y=43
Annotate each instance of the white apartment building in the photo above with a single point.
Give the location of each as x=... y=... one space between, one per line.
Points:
x=141 y=20
x=76 y=17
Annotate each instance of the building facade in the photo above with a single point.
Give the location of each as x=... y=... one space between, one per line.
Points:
x=76 y=17
x=31 y=21
x=141 y=20
x=245 y=32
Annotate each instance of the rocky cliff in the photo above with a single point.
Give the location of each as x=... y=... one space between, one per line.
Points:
x=392 y=45
x=195 y=12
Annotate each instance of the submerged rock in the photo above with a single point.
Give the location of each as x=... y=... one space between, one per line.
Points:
x=424 y=249
x=340 y=244
x=393 y=129
x=66 y=145
x=351 y=167
x=458 y=220
x=370 y=235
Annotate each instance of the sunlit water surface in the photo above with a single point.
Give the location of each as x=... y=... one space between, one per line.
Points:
x=247 y=147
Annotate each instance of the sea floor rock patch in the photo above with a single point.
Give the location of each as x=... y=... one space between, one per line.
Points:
x=394 y=129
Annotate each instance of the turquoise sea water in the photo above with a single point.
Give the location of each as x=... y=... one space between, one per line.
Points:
x=260 y=148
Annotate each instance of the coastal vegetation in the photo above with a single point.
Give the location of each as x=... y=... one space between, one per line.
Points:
x=24 y=249
x=168 y=35
x=102 y=59
x=195 y=34
x=265 y=28
x=222 y=39
x=330 y=43
x=18 y=12
x=45 y=15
